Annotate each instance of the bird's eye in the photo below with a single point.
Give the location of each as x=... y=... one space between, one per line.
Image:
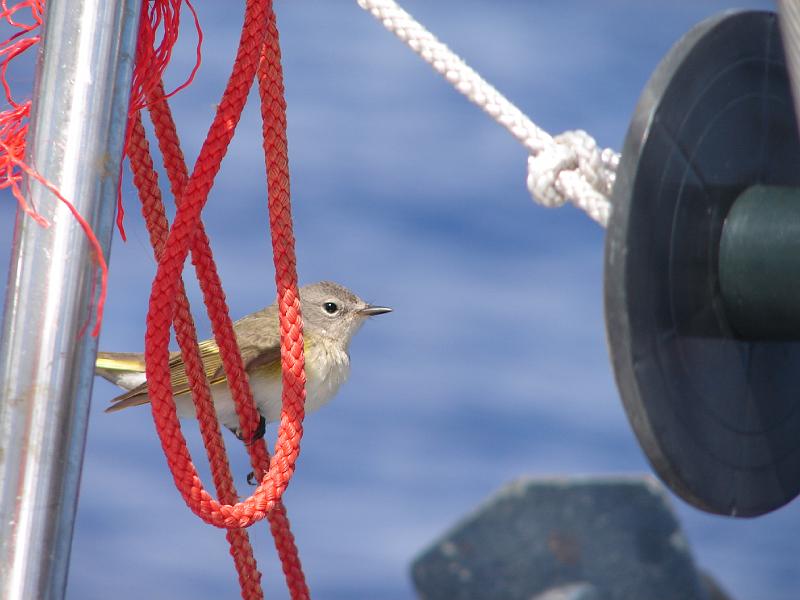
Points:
x=330 y=307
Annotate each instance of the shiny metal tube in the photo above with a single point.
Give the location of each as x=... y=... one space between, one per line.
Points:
x=789 y=22
x=46 y=366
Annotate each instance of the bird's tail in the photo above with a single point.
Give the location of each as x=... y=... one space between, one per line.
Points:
x=125 y=369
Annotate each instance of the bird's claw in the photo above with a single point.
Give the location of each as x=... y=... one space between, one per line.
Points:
x=257 y=434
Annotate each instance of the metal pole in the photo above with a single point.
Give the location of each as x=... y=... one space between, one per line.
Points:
x=46 y=368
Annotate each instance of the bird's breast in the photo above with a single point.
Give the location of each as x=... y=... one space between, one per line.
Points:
x=327 y=368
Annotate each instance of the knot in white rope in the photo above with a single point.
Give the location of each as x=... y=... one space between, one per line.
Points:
x=567 y=167
x=572 y=168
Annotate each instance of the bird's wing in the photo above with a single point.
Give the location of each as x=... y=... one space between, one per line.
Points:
x=212 y=363
x=209 y=354
x=259 y=348
x=258 y=338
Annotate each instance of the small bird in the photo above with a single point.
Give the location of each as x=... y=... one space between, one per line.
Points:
x=331 y=316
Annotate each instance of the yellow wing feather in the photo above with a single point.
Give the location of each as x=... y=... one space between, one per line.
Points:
x=260 y=349
x=212 y=365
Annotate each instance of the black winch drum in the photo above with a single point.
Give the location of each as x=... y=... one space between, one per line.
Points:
x=702 y=269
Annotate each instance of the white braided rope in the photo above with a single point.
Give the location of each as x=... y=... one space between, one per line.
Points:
x=568 y=167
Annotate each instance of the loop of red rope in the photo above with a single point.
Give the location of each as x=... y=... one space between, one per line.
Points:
x=162 y=306
x=146 y=181
x=168 y=304
x=176 y=169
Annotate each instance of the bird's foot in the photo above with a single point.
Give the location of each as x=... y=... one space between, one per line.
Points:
x=257 y=434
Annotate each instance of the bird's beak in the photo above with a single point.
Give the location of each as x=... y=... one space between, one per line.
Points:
x=371 y=311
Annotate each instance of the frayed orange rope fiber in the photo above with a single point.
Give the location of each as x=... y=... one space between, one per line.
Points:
x=152 y=55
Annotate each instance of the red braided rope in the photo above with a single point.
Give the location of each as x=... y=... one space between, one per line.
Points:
x=176 y=170
x=168 y=304
x=258 y=51
x=146 y=181
x=161 y=17
x=163 y=296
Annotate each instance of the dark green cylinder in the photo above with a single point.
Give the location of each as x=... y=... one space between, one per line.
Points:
x=759 y=263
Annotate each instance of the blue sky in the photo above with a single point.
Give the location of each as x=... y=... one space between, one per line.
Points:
x=494 y=363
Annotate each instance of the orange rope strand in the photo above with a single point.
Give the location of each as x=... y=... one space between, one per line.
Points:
x=168 y=305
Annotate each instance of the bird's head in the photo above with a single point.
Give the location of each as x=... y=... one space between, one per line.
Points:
x=332 y=310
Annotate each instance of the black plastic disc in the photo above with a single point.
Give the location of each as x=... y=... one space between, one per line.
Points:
x=718 y=416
